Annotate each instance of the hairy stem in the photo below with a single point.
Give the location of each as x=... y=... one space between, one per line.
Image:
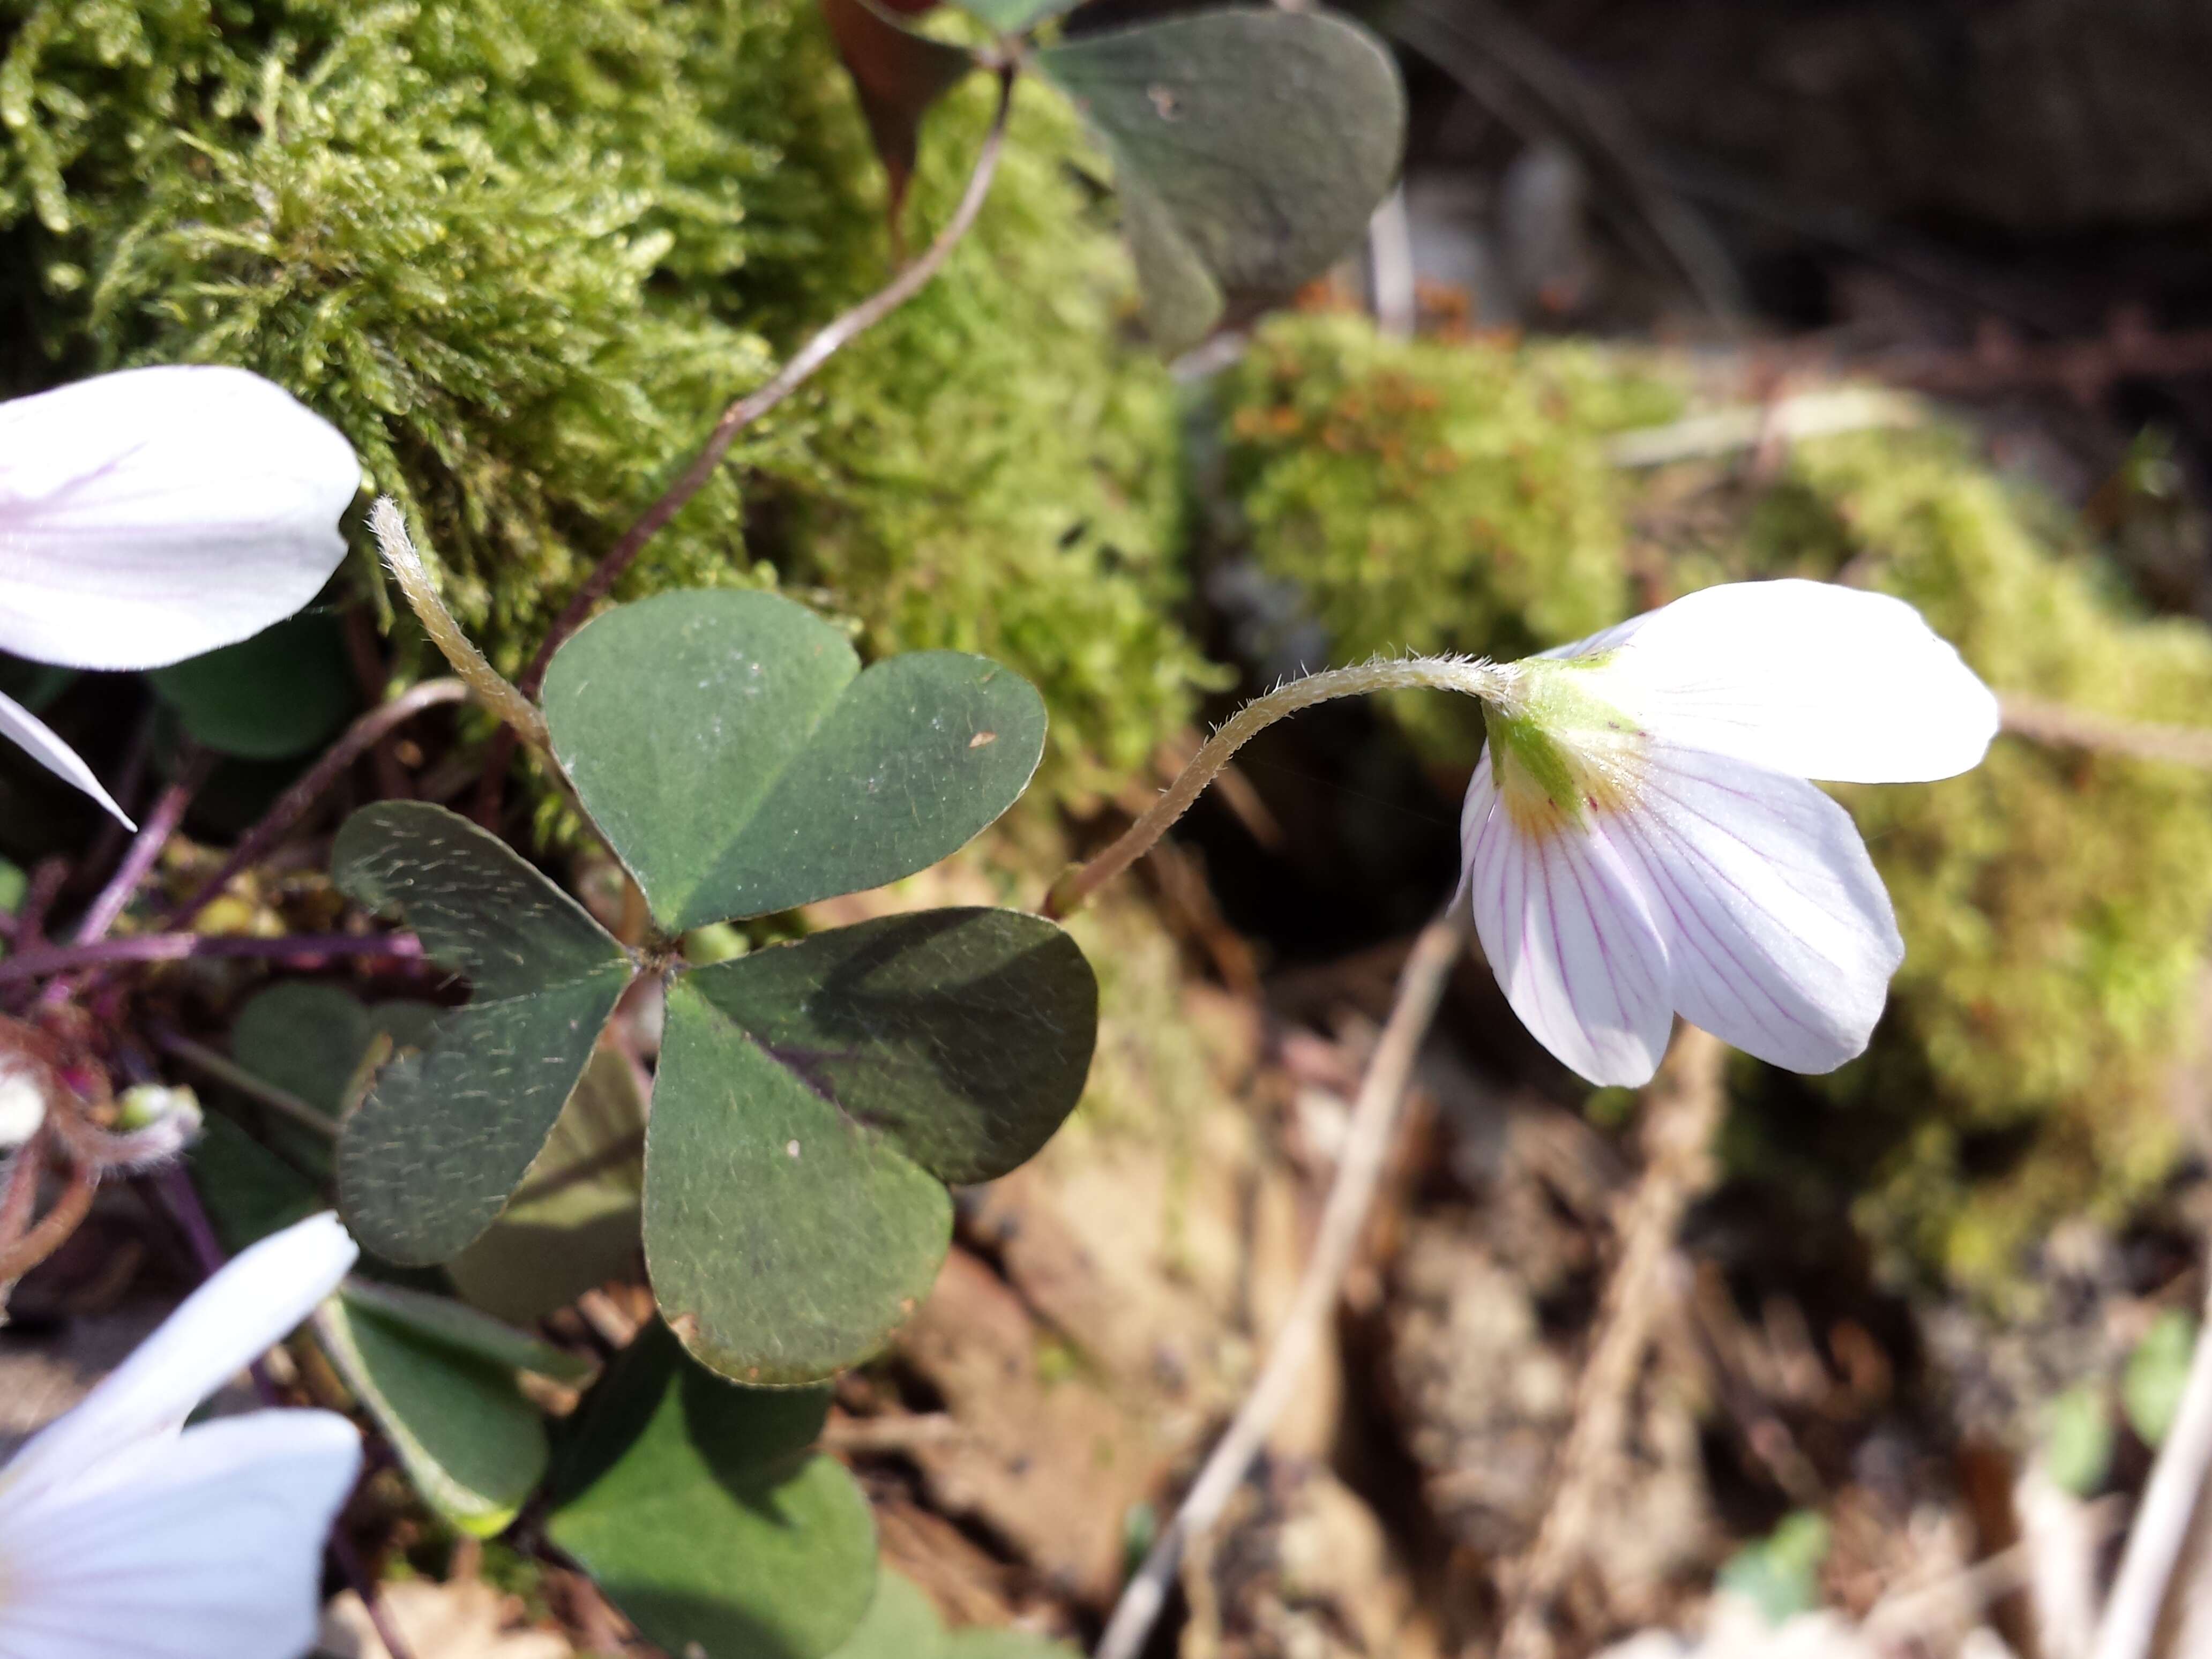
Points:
x=1359 y=1173
x=1474 y=678
x=493 y=688
x=53 y=1228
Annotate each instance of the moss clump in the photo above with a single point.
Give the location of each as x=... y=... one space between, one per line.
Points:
x=522 y=253
x=1436 y=496
x=2055 y=904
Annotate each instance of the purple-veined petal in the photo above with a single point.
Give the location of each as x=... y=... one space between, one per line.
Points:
x=211 y=1546
x=1810 y=678
x=157 y=514
x=36 y=739
x=1568 y=933
x=1779 y=935
x=229 y=1322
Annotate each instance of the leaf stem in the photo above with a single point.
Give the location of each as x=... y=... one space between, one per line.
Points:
x=492 y=688
x=361 y=736
x=224 y=1070
x=1477 y=678
x=1359 y=1173
x=138 y=858
x=177 y=947
x=826 y=343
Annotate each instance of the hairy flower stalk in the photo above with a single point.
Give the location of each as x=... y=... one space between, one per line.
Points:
x=1473 y=677
x=1642 y=838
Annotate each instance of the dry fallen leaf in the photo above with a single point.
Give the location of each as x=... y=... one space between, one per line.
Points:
x=460 y=1620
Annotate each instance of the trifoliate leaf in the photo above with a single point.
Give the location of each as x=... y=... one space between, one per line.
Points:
x=739 y=761
x=1250 y=146
x=814 y=1098
x=446 y=1133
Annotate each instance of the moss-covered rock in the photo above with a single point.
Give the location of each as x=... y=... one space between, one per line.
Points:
x=2055 y=904
x=522 y=253
x=1435 y=496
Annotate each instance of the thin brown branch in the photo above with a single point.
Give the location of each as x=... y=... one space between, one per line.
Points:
x=361 y=737
x=1359 y=1173
x=2056 y=724
x=1681 y=1110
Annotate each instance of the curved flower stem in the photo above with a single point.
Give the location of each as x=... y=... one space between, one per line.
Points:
x=1476 y=678
x=361 y=736
x=1359 y=1173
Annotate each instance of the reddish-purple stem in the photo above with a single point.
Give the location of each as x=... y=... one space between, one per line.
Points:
x=359 y=737
x=38 y=963
x=138 y=859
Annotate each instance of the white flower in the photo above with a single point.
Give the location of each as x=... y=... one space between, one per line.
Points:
x=1640 y=840
x=124 y=1536
x=152 y=515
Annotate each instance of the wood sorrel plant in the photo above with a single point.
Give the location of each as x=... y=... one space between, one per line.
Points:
x=812 y=1099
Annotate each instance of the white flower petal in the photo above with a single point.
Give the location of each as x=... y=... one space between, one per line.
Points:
x=151 y=515
x=39 y=741
x=1569 y=936
x=227 y=1323
x=1810 y=678
x=212 y=1549
x=1779 y=935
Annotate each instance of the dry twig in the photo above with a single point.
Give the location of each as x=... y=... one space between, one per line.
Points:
x=2056 y=724
x=1681 y=1110
x=2169 y=1503
x=1359 y=1172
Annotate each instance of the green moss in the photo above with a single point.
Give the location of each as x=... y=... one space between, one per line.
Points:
x=1436 y=496
x=523 y=252
x=2055 y=904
